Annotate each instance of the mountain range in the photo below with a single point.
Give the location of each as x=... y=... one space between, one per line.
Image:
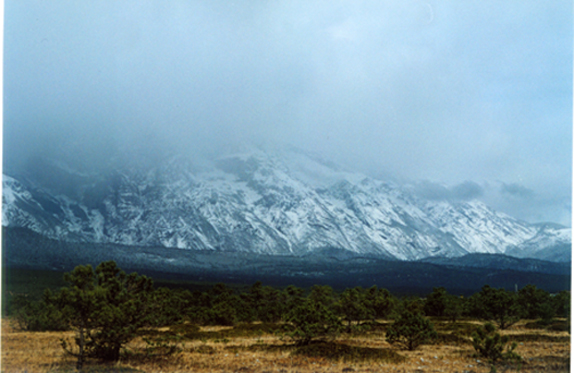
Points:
x=287 y=203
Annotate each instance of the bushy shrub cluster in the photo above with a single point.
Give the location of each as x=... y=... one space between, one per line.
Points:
x=40 y=315
x=106 y=307
x=505 y=307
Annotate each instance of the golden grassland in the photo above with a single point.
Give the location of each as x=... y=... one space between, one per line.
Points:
x=542 y=351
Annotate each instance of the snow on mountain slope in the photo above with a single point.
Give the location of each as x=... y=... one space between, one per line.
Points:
x=478 y=228
x=551 y=242
x=287 y=204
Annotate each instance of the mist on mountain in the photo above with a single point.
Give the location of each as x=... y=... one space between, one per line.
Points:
x=474 y=97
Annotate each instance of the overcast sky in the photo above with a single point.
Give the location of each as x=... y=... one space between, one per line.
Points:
x=473 y=95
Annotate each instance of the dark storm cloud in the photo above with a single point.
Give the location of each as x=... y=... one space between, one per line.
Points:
x=445 y=91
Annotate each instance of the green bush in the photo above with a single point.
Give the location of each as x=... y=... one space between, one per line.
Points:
x=352 y=306
x=222 y=313
x=410 y=329
x=312 y=320
x=454 y=308
x=168 y=306
x=435 y=302
x=492 y=346
x=562 y=304
x=265 y=302
x=41 y=316
x=498 y=305
x=536 y=304
x=380 y=302
x=105 y=307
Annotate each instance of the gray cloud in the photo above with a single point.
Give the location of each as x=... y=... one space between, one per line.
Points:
x=525 y=203
x=468 y=190
x=445 y=91
x=465 y=191
x=433 y=191
x=516 y=190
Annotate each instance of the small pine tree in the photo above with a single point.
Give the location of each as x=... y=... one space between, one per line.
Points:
x=562 y=304
x=454 y=308
x=312 y=320
x=266 y=302
x=498 y=305
x=106 y=307
x=222 y=313
x=436 y=302
x=379 y=301
x=411 y=330
x=323 y=294
x=291 y=297
x=536 y=304
x=352 y=307
x=491 y=345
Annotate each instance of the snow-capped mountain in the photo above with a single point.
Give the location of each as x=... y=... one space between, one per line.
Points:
x=284 y=204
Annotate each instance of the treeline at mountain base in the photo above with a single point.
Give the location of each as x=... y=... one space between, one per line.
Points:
x=105 y=315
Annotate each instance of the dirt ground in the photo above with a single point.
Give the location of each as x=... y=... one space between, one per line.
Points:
x=542 y=351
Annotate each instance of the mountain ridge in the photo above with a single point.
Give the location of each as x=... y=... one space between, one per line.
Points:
x=261 y=203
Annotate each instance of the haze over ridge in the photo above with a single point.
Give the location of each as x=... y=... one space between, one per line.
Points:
x=474 y=98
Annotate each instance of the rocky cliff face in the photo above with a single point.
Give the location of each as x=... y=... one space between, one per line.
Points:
x=254 y=202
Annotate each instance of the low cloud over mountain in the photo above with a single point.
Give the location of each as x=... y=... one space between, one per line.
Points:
x=284 y=203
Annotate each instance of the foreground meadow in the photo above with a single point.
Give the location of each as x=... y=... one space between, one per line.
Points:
x=260 y=348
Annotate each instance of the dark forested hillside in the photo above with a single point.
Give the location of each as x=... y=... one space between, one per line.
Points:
x=25 y=249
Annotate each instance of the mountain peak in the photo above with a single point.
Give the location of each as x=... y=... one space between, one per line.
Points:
x=254 y=201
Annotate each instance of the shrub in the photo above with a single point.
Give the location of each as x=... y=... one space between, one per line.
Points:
x=222 y=313
x=562 y=304
x=435 y=303
x=454 y=308
x=218 y=307
x=168 y=306
x=536 y=304
x=352 y=306
x=491 y=345
x=323 y=294
x=496 y=305
x=410 y=329
x=379 y=301
x=312 y=320
x=265 y=302
x=40 y=316
x=291 y=297
x=106 y=307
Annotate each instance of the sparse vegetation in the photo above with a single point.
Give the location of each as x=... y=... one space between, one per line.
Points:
x=410 y=329
x=492 y=346
x=257 y=348
x=261 y=328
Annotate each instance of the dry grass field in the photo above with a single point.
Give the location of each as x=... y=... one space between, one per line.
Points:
x=218 y=349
